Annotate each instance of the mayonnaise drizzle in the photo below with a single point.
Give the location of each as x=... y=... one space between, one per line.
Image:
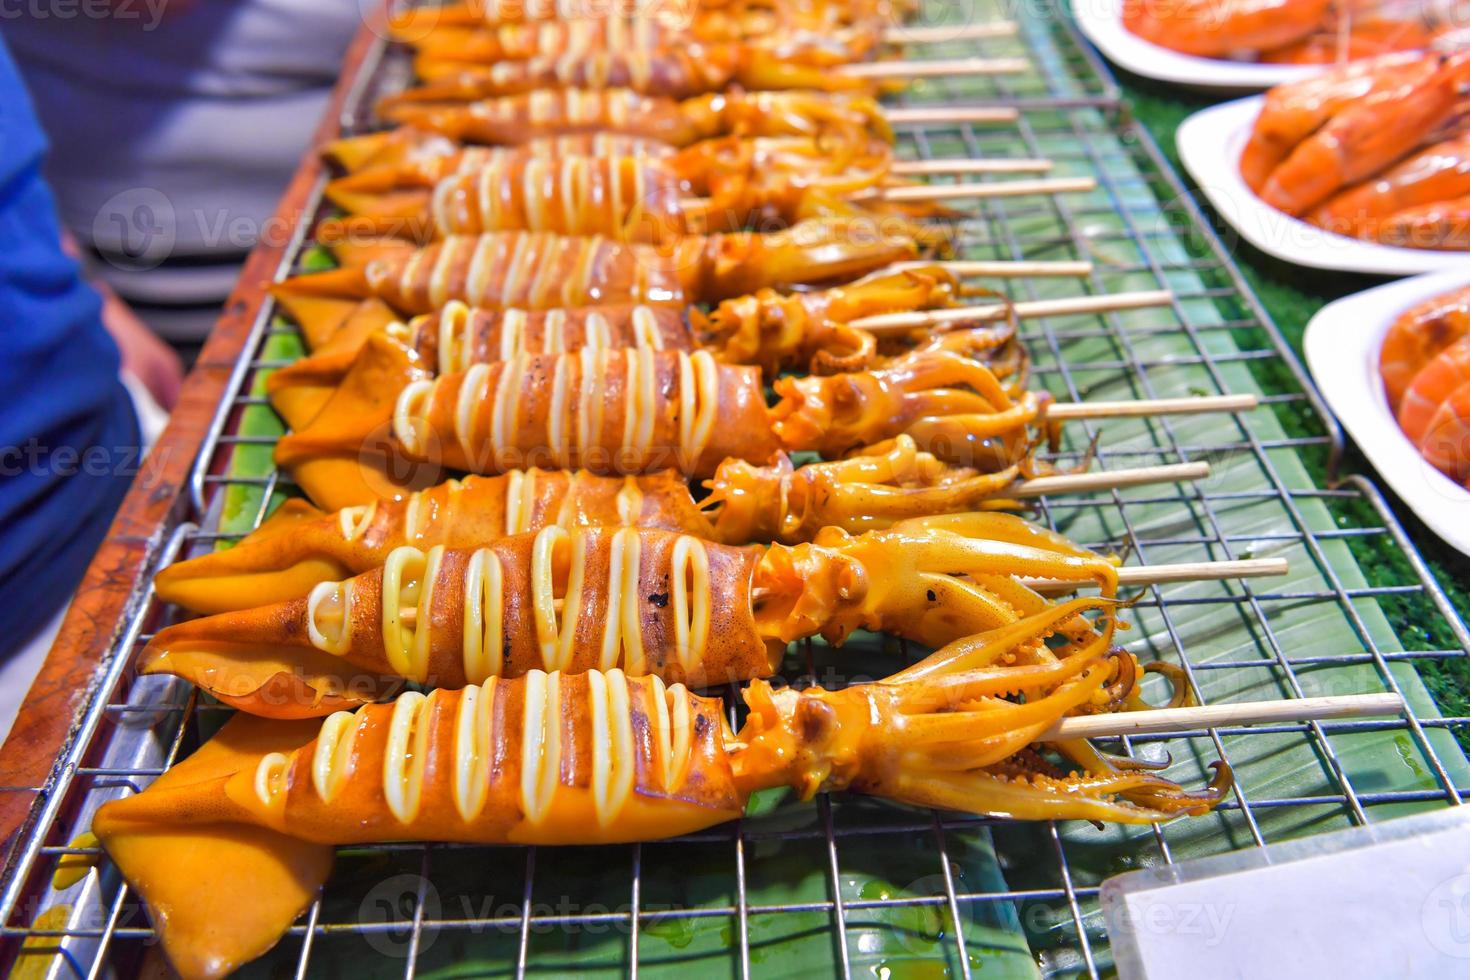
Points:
x=585 y=382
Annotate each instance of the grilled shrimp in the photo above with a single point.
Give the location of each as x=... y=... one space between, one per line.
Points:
x=1418 y=335
x=1214 y=28
x=1370 y=209
x=1364 y=136
x=1294 y=111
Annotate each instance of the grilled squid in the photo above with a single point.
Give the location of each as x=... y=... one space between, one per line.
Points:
x=632 y=198
x=643 y=600
x=442 y=52
x=514 y=119
x=405 y=158
x=773 y=330
x=537 y=271
x=677 y=72
x=551 y=758
x=715 y=21
x=391 y=425
x=300 y=546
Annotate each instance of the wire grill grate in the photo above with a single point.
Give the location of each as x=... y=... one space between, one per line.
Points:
x=727 y=899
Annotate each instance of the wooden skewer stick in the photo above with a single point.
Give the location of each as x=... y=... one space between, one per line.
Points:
x=1000 y=165
x=1188 y=405
x=935 y=68
x=1001 y=267
x=1102 y=303
x=939 y=33
x=1188 y=571
x=953 y=192
x=1091 y=480
x=1164 y=720
x=922 y=115
x=994 y=188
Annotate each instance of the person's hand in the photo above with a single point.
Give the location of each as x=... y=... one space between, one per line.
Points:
x=144 y=356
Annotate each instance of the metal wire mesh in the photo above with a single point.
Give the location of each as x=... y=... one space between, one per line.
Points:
x=727 y=900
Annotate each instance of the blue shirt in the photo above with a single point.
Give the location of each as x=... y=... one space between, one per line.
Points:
x=69 y=441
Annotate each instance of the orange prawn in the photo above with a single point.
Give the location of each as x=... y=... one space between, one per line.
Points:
x=1214 y=28
x=1366 y=210
x=1366 y=38
x=1364 y=137
x=1295 y=111
x=1417 y=337
x=1446 y=443
x=1441 y=225
x=1431 y=388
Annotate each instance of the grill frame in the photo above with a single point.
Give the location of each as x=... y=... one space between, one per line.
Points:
x=107 y=756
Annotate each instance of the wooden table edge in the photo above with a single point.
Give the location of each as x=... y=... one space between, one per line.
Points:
x=64 y=687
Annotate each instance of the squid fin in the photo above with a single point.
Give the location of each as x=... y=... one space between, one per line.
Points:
x=385 y=147
x=220 y=892
x=271 y=565
x=346 y=456
x=377 y=228
x=355 y=251
x=257 y=661
x=356 y=196
x=322 y=302
x=300 y=391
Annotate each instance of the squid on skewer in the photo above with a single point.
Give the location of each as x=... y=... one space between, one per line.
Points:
x=442 y=53
x=249 y=820
x=391 y=426
x=300 y=546
x=708 y=20
x=394 y=174
x=632 y=197
x=538 y=271
x=644 y=600
x=515 y=119
x=769 y=329
x=677 y=72
x=406 y=158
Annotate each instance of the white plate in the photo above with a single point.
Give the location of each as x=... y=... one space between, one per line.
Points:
x=1102 y=22
x=1342 y=344
x=1210 y=142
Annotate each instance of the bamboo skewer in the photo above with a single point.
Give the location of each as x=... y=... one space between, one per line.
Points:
x=1165 y=720
x=1104 y=303
x=1187 y=571
x=995 y=188
x=935 y=68
x=1188 y=405
x=939 y=33
x=954 y=192
x=1039 y=486
x=1002 y=267
x=923 y=115
x=928 y=168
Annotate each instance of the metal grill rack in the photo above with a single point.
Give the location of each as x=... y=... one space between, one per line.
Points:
x=852 y=886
